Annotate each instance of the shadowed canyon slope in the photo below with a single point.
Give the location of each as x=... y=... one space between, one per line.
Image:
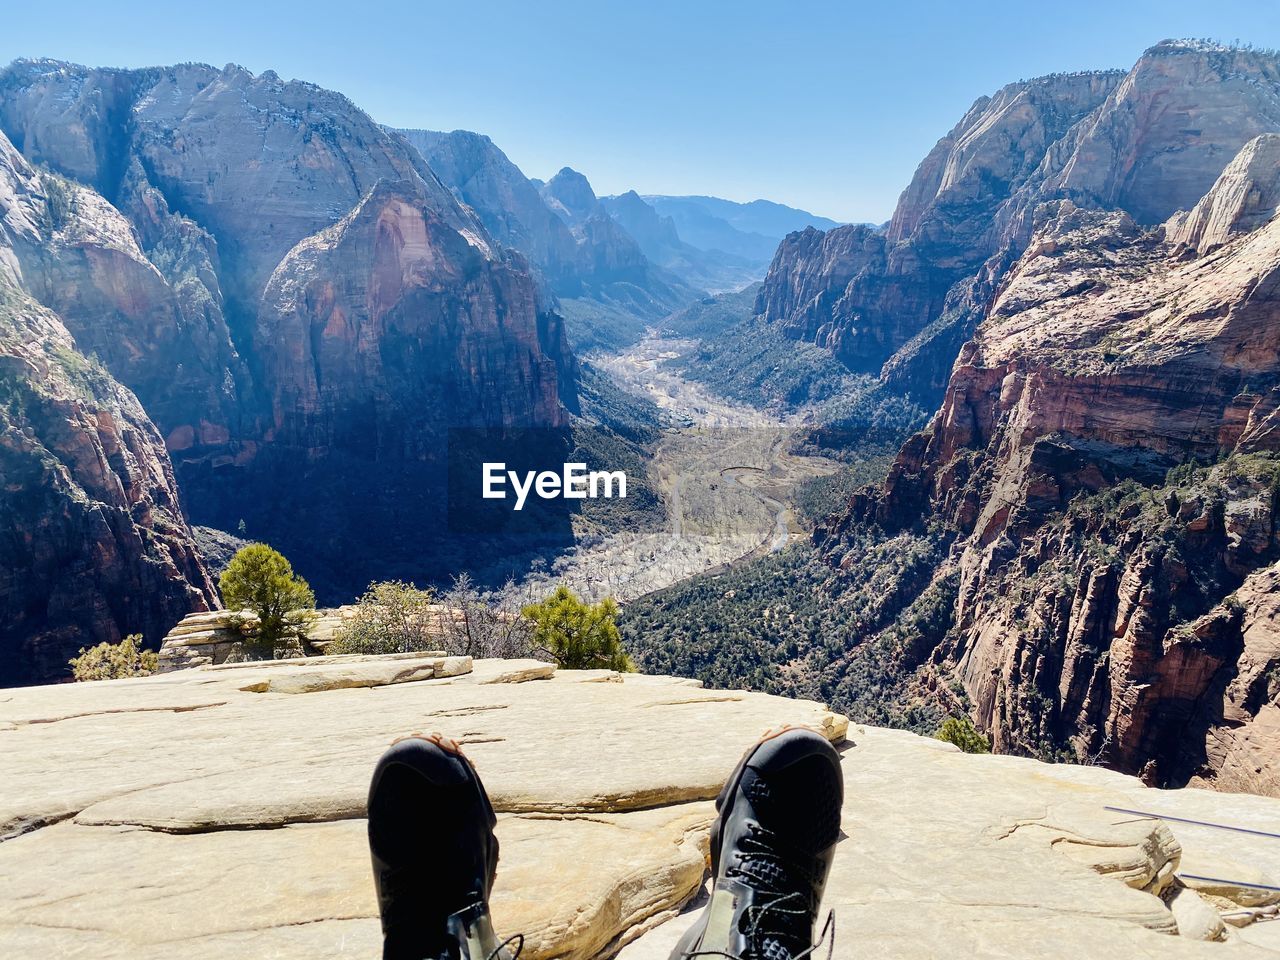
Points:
x=93 y=542
x=300 y=305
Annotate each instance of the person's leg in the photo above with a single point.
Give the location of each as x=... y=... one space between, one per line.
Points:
x=771 y=850
x=434 y=853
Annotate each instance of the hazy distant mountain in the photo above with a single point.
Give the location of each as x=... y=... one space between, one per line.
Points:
x=711 y=269
x=613 y=255
x=585 y=246
x=606 y=286
x=750 y=230
x=758 y=216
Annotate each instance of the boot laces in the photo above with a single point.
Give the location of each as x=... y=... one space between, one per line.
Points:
x=517 y=939
x=785 y=919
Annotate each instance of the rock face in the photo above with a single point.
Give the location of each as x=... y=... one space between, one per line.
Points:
x=1148 y=143
x=863 y=293
x=561 y=226
x=470 y=344
x=124 y=799
x=327 y=153
x=713 y=270
x=611 y=262
x=211 y=638
x=302 y=307
x=607 y=248
x=1165 y=132
x=1245 y=197
x=508 y=204
x=655 y=233
x=1107 y=607
x=93 y=541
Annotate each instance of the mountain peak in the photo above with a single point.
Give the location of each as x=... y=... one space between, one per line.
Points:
x=1175 y=46
x=1244 y=197
x=569 y=194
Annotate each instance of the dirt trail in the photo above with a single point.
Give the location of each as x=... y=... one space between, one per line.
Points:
x=724 y=474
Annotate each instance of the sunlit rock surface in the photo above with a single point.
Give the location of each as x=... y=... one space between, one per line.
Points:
x=190 y=813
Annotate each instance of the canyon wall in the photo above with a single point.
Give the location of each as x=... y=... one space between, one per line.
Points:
x=900 y=301
x=93 y=540
x=301 y=306
x=1105 y=458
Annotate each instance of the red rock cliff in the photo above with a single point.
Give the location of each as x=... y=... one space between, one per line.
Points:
x=1108 y=608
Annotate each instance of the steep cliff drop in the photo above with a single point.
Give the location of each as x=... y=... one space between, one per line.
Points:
x=310 y=312
x=1106 y=460
x=93 y=540
x=901 y=301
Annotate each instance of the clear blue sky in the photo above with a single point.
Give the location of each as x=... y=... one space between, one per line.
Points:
x=823 y=105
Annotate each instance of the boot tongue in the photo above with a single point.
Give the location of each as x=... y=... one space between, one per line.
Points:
x=472 y=930
x=774 y=863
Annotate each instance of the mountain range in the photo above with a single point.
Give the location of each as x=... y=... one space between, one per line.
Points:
x=688 y=243
x=234 y=301
x=1079 y=551
x=237 y=302
x=751 y=230
x=301 y=332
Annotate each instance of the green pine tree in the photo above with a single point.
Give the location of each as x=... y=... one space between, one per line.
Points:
x=961 y=732
x=262 y=580
x=580 y=635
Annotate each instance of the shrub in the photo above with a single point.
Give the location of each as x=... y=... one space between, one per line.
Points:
x=477 y=626
x=579 y=635
x=391 y=617
x=111 y=661
x=262 y=580
x=58 y=200
x=961 y=732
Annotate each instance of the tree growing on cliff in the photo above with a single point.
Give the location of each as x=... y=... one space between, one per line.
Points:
x=261 y=580
x=579 y=635
x=391 y=617
x=111 y=661
x=960 y=732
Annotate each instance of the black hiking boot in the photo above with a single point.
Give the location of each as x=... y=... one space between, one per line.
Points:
x=434 y=853
x=771 y=849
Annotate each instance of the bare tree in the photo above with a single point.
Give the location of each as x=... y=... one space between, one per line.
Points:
x=484 y=625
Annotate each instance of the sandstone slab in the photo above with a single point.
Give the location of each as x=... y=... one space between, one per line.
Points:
x=306 y=890
x=137 y=815
x=948 y=855
x=374 y=673
x=192 y=750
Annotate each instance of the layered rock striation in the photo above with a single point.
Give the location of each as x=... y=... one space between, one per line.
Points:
x=510 y=206
x=129 y=800
x=863 y=292
x=1105 y=458
x=1149 y=142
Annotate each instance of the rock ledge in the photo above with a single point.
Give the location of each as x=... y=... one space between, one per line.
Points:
x=136 y=818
